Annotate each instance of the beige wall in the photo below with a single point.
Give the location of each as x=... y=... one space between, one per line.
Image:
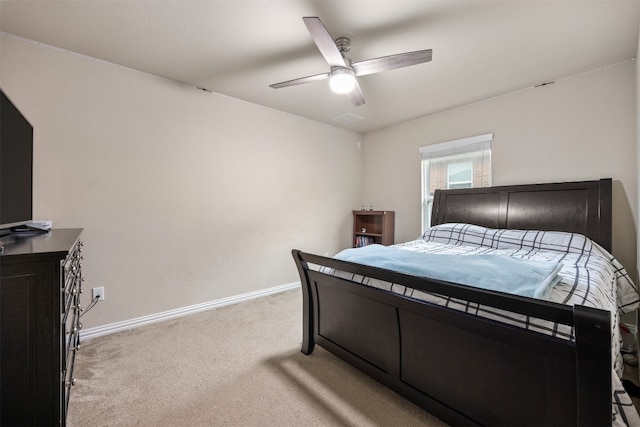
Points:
x=583 y=127
x=185 y=196
x=188 y=197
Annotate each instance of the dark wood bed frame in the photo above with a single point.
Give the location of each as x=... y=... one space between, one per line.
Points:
x=464 y=369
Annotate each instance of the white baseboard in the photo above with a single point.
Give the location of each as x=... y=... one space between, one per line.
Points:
x=184 y=311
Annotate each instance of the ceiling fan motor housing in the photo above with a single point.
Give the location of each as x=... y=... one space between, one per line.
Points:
x=343 y=44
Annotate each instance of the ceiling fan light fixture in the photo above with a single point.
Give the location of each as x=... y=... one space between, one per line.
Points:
x=342 y=80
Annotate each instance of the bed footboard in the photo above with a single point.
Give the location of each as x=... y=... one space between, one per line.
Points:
x=462 y=368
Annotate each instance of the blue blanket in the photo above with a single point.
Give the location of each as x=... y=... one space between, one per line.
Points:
x=495 y=272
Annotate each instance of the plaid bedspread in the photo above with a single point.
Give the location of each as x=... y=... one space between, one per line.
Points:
x=590 y=276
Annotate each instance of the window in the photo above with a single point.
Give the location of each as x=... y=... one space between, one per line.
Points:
x=460 y=175
x=462 y=163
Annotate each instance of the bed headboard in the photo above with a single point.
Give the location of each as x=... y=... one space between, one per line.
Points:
x=578 y=207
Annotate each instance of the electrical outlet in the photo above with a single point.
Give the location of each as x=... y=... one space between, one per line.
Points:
x=97 y=293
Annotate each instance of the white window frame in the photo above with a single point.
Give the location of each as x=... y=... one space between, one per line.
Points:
x=446 y=149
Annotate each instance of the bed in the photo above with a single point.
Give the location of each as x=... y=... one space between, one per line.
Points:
x=476 y=356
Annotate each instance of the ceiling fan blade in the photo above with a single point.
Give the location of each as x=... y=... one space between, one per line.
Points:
x=323 y=40
x=391 y=62
x=356 y=96
x=301 y=80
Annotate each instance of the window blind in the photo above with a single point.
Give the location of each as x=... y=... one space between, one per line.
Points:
x=457 y=146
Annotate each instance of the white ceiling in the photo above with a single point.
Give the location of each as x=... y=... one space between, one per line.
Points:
x=481 y=49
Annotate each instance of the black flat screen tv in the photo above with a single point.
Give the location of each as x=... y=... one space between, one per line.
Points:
x=16 y=166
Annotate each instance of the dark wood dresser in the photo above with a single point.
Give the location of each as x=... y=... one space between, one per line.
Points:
x=40 y=285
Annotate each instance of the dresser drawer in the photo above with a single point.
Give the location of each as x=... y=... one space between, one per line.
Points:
x=68 y=381
x=71 y=277
x=71 y=326
x=70 y=362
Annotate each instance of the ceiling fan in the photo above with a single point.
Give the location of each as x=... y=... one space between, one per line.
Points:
x=342 y=77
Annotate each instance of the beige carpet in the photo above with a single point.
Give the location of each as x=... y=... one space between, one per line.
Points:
x=238 y=365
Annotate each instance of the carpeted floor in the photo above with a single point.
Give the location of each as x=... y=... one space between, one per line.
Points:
x=238 y=365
